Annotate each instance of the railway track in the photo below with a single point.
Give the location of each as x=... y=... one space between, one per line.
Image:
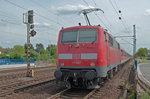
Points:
x=12 y=80
x=15 y=87
x=13 y=76
x=71 y=94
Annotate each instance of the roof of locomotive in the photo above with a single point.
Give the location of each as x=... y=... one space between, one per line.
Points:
x=80 y=27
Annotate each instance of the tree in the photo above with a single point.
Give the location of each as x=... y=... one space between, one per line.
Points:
x=18 y=52
x=33 y=54
x=39 y=48
x=19 y=49
x=142 y=52
x=44 y=56
x=52 y=50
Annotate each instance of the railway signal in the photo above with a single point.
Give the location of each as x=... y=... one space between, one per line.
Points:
x=30 y=16
x=33 y=33
x=28 y=19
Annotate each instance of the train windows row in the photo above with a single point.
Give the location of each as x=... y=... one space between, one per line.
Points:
x=112 y=41
x=123 y=53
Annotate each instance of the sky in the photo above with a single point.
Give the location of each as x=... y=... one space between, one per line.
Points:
x=51 y=15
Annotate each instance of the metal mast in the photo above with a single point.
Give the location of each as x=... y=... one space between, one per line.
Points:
x=134 y=41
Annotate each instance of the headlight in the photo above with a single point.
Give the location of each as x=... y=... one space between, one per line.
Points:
x=92 y=64
x=62 y=64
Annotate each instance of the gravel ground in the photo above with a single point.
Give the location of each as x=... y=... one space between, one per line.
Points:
x=111 y=89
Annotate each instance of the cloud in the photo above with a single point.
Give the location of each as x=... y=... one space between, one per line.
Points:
x=70 y=9
x=147 y=12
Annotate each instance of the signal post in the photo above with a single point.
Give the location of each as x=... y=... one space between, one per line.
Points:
x=28 y=19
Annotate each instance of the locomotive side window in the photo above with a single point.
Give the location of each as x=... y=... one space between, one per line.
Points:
x=89 y=35
x=69 y=37
x=118 y=46
x=105 y=39
x=110 y=41
x=115 y=45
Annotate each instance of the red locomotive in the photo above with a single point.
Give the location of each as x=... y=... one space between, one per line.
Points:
x=87 y=55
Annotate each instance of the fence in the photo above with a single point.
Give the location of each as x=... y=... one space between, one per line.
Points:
x=14 y=61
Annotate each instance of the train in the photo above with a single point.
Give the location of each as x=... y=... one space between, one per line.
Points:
x=87 y=56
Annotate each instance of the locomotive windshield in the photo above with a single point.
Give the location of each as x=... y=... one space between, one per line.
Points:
x=79 y=36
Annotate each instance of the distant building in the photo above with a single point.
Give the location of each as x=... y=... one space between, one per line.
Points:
x=148 y=52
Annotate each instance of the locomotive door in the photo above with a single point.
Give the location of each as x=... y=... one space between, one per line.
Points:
x=107 y=48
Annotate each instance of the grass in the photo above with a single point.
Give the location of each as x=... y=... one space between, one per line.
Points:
x=145 y=95
x=143 y=62
x=53 y=62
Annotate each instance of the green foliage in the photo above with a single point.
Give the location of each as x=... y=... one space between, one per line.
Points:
x=145 y=95
x=33 y=54
x=44 y=55
x=39 y=48
x=128 y=88
x=142 y=52
x=53 y=62
x=17 y=52
x=52 y=50
x=20 y=52
x=133 y=95
x=5 y=54
x=19 y=49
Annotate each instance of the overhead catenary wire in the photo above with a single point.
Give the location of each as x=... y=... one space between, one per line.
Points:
x=94 y=2
x=117 y=14
x=41 y=16
x=35 y=2
x=127 y=41
x=34 y=12
x=103 y=16
x=124 y=24
x=97 y=16
x=14 y=23
x=121 y=14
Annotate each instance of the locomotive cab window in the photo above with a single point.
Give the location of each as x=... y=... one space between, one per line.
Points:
x=87 y=36
x=69 y=37
x=79 y=36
